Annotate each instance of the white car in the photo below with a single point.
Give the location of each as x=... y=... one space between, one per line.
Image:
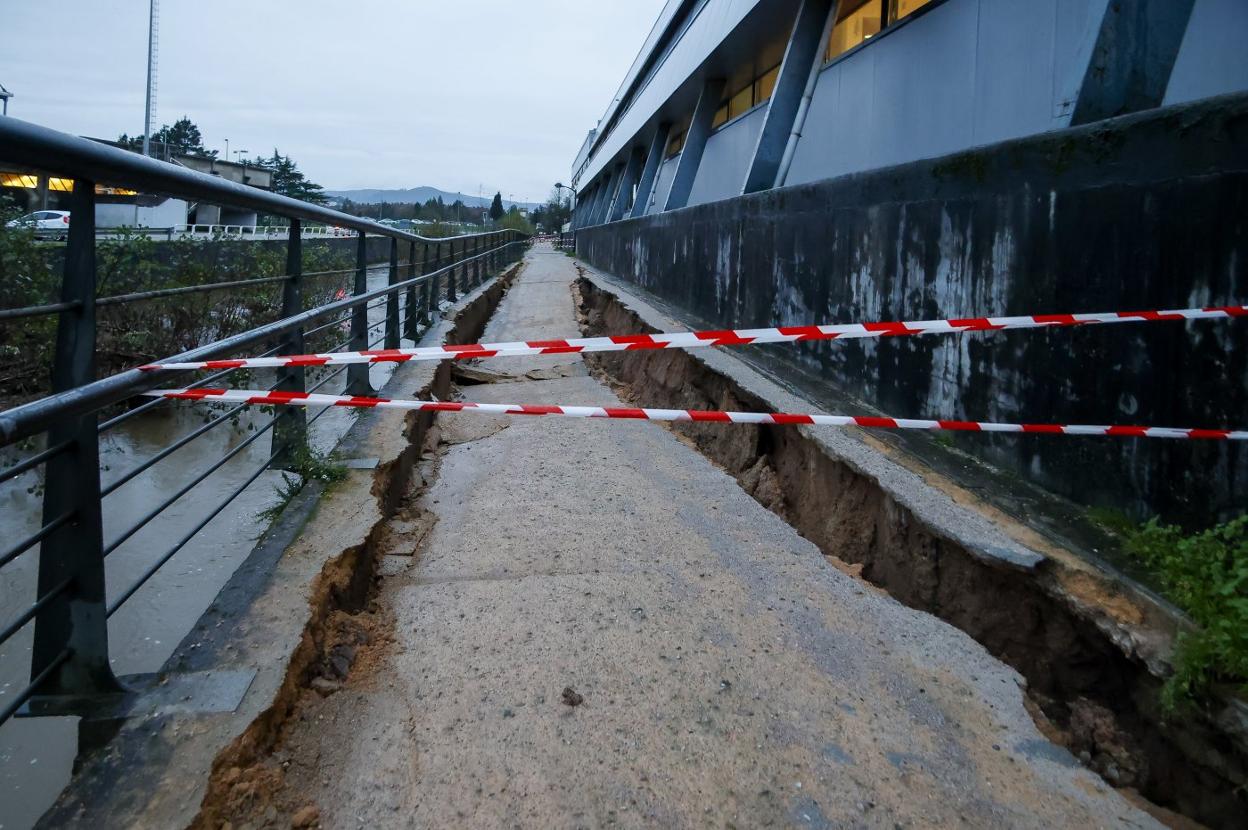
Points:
x=44 y=222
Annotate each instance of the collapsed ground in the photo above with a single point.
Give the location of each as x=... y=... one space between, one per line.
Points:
x=584 y=622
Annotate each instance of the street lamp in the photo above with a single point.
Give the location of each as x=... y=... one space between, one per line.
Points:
x=576 y=196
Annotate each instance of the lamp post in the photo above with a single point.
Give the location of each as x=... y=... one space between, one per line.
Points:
x=576 y=196
x=152 y=11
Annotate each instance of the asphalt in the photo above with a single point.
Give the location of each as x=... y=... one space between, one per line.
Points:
x=727 y=674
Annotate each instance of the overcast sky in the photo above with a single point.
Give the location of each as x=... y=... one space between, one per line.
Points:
x=460 y=94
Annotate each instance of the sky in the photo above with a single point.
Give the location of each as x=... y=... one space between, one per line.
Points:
x=463 y=95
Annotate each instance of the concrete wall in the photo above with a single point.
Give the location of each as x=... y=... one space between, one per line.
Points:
x=1146 y=211
x=966 y=73
x=1213 y=59
x=727 y=155
x=167 y=214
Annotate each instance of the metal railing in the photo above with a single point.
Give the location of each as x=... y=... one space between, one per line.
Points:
x=233 y=232
x=70 y=654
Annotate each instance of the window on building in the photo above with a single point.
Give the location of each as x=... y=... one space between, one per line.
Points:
x=904 y=8
x=765 y=86
x=676 y=143
x=856 y=21
x=860 y=20
x=746 y=95
x=741 y=101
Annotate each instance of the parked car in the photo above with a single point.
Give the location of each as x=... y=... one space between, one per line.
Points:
x=54 y=223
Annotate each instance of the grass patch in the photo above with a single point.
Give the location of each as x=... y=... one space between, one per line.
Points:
x=309 y=465
x=1205 y=574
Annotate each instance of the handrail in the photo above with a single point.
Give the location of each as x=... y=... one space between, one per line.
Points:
x=70 y=657
x=22 y=142
x=32 y=418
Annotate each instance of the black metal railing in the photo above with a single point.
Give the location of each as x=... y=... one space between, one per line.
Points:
x=70 y=655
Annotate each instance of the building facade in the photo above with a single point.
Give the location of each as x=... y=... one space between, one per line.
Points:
x=789 y=162
x=730 y=97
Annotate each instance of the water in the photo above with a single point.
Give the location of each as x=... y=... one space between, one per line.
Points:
x=37 y=754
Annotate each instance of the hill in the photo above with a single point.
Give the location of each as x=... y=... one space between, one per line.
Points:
x=416 y=195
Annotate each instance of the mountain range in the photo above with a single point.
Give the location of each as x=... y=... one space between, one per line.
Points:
x=417 y=195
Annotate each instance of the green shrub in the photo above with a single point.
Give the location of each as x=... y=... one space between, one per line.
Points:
x=1205 y=574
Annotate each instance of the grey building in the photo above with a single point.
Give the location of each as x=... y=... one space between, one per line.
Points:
x=789 y=162
x=736 y=96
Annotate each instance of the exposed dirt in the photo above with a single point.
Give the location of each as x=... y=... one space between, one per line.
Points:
x=1080 y=638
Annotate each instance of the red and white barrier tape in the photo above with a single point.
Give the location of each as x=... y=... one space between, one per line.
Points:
x=777 y=418
x=697 y=339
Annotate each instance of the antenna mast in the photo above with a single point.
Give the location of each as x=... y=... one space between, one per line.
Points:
x=153 y=48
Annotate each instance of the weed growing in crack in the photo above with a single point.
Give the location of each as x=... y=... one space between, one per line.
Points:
x=1205 y=574
x=308 y=465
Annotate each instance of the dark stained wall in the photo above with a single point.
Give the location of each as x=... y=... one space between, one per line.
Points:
x=1145 y=211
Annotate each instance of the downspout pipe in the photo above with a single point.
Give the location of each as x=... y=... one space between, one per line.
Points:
x=803 y=109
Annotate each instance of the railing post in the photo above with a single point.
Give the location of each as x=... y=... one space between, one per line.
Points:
x=451 y=294
x=392 y=299
x=358 y=381
x=427 y=289
x=77 y=619
x=290 y=432
x=473 y=268
x=409 y=310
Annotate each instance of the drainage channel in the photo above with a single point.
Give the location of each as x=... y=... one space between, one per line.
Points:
x=1088 y=689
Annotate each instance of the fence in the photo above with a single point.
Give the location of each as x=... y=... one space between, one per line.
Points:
x=70 y=657
x=235 y=232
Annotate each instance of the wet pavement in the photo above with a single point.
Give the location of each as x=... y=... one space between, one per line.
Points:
x=603 y=628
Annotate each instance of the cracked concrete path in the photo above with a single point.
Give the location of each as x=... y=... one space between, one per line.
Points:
x=730 y=676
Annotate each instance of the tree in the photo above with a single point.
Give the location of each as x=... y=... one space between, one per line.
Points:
x=496 y=207
x=556 y=213
x=182 y=139
x=516 y=221
x=288 y=179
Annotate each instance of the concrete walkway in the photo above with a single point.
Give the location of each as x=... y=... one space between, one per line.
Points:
x=729 y=676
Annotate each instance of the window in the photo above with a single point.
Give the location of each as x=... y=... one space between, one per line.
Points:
x=856 y=21
x=676 y=143
x=756 y=90
x=860 y=20
x=904 y=8
x=742 y=101
x=766 y=85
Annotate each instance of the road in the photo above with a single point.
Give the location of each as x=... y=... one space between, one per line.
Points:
x=726 y=674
